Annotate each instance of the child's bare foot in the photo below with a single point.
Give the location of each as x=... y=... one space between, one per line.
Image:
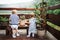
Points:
x=17 y=34
x=14 y=36
x=33 y=35
x=28 y=35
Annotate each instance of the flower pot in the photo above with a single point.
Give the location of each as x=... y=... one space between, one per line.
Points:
x=41 y=32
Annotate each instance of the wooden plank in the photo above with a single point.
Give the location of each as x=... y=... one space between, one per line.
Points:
x=54 y=7
x=17 y=8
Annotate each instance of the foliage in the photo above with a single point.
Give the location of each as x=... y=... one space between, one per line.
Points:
x=50 y=11
x=53 y=2
x=36 y=6
x=3 y=19
x=56 y=12
x=37 y=14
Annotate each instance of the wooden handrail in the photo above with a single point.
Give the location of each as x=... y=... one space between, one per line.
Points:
x=17 y=8
x=50 y=8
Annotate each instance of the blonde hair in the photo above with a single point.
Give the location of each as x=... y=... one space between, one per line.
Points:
x=14 y=11
x=32 y=14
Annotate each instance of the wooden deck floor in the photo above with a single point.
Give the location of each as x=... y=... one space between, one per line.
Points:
x=21 y=37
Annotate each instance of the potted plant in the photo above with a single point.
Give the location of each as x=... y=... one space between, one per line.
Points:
x=40 y=30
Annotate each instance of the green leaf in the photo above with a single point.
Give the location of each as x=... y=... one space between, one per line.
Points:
x=50 y=11
x=56 y=11
x=3 y=19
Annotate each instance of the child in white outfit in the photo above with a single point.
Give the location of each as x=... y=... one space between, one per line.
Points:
x=32 y=26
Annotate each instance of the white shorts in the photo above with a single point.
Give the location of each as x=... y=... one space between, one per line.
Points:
x=14 y=26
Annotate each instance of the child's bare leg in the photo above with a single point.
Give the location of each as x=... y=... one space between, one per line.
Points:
x=28 y=34
x=17 y=32
x=14 y=33
x=33 y=34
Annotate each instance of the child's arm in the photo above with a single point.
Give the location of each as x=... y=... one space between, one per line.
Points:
x=27 y=22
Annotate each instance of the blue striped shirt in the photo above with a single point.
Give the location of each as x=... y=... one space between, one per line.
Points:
x=14 y=19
